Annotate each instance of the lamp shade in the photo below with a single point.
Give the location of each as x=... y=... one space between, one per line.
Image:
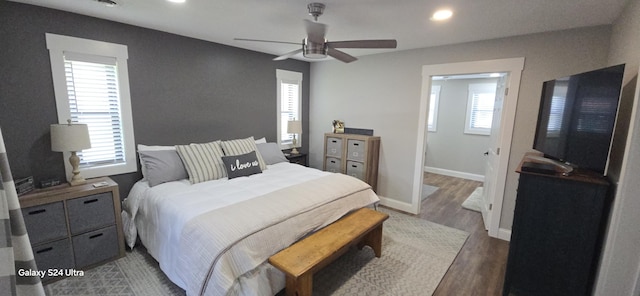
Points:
x=70 y=137
x=294 y=127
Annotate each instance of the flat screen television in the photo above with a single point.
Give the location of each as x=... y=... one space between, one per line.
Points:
x=577 y=116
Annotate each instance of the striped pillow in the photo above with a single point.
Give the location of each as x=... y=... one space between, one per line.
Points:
x=202 y=161
x=243 y=146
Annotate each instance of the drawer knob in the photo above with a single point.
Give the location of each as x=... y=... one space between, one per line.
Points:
x=37 y=212
x=96 y=235
x=90 y=201
x=44 y=250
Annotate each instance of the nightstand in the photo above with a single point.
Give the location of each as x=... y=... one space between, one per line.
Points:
x=74 y=227
x=300 y=158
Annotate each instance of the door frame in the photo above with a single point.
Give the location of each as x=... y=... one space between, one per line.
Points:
x=514 y=67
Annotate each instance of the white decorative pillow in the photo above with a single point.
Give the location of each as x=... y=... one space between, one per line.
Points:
x=242 y=146
x=202 y=161
x=261 y=140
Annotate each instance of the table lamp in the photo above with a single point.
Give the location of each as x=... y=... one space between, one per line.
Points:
x=294 y=127
x=72 y=138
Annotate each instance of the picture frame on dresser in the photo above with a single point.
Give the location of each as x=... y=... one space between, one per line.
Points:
x=74 y=228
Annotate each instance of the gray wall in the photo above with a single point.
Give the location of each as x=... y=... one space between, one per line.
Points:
x=383 y=91
x=183 y=90
x=449 y=147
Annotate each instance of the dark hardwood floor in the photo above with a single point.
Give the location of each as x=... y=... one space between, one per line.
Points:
x=479 y=267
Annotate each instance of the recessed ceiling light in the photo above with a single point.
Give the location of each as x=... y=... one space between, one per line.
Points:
x=442 y=14
x=108 y=3
x=177 y=1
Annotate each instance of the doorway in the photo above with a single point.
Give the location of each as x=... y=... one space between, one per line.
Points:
x=501 y=134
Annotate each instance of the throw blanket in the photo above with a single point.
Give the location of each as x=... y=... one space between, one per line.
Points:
x=222 y=245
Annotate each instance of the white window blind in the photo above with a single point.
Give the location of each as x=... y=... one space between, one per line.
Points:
x=289 y=108
x=434 y=100
x=480 y=108
x=289 y=105
x=93 y=94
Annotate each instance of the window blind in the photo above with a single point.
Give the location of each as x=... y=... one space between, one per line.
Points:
x=93 y=93
x=482 y=110
x=289 y=107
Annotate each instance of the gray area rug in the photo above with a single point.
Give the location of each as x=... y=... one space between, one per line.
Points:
x=428 y=190
x=474 y=201
x=415 y=256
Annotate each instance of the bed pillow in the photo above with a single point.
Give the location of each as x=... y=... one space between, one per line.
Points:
x=242 y=165
x=162 y=166
x=242 y=146
x=261 y=140
x=202 y=161
x=271 y=153
x=151 y=148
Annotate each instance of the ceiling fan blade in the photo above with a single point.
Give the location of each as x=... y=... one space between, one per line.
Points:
x=258 y=40
x=315 y=31
x=288 y=55
x=381 y=43
x=340 y=55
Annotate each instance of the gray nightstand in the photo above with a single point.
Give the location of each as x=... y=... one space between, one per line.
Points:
x=75 y=227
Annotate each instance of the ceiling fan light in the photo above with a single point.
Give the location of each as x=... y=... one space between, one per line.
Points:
x=314 y=50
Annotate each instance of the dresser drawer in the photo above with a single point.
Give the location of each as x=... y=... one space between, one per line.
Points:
x=355 y=169
x=95 y=246
x=45 y=222
x=90 y=212
x=333 y=165
x=334 y=147
x=355 y=150
x=54 y=255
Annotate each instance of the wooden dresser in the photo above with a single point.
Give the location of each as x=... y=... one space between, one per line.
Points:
x=74 y=228
x=353 y=155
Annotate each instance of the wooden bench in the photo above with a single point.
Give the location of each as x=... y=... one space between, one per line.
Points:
x=301 y=260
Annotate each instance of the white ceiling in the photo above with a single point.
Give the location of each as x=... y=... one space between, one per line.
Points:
x=405 y=20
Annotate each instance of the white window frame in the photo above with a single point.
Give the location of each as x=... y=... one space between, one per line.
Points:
x=291 y=77
x=58 y=45
x=434 y=100
x=475 y=88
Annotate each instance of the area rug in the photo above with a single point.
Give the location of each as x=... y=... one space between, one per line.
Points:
x=428 y=190
x=474 y=201
x=416 y=254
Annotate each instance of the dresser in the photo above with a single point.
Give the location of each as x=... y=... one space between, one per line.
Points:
x=74 y=228
x=353 y=155
x=557 y=233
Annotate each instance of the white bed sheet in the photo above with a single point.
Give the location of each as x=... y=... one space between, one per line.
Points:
x=150 y=211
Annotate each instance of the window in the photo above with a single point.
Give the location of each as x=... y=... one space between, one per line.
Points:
x=289 y=105
x=433 y=108
x=480 y=108
x=91 y=85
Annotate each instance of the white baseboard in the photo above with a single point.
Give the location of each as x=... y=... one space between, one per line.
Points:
x=396 y=204
x=504 y=234
x=457 y=174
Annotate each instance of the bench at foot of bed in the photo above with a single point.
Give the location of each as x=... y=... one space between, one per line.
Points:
x=301 y=260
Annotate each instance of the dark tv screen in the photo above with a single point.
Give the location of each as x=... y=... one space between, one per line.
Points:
x=577 y=116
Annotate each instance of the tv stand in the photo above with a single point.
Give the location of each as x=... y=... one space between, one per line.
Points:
x=563 y=168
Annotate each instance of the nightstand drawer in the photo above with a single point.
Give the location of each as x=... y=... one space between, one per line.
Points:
x=95 y=246
x=355 y=169
x=54 y=255
x=355 y=150
x=333 y=165
x=334 y=147
x=45 y=222
x=90 y=212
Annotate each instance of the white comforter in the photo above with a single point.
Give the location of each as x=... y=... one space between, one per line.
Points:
x=164 y=217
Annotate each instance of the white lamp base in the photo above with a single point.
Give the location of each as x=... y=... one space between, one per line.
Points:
x=76 y=179
x=294 y=142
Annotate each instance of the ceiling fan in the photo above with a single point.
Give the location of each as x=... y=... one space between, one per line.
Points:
x=315 y=46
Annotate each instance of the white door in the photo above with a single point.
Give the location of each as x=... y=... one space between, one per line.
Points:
x=492 y=154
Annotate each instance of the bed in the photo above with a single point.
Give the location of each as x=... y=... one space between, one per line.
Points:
x=215 y=237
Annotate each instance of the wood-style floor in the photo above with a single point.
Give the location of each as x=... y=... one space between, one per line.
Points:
x=480 y=265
